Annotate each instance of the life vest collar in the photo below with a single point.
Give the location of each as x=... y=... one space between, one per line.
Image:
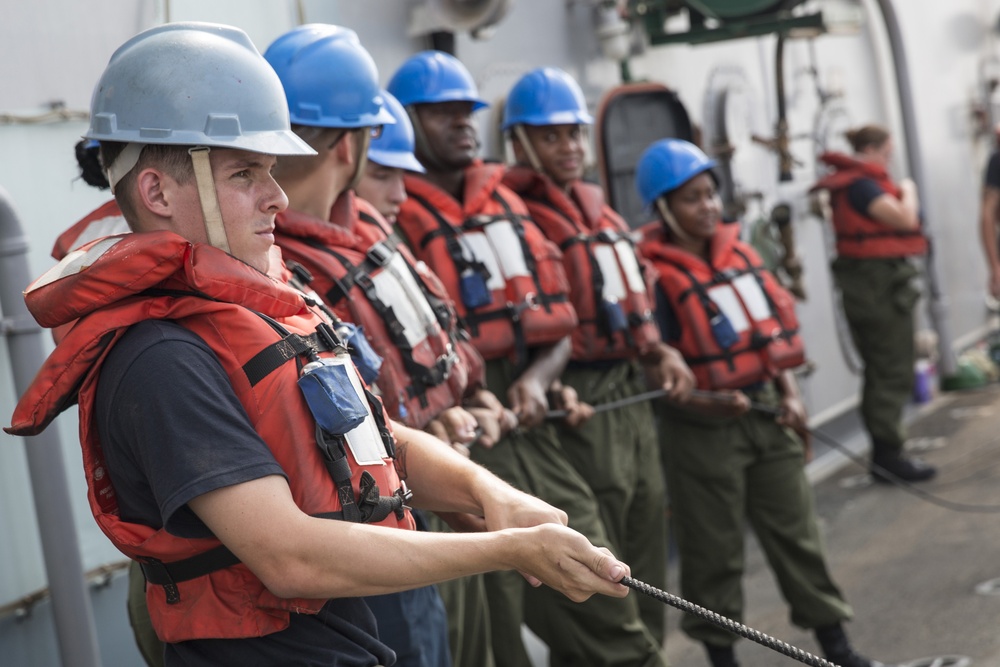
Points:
x=105 y=220
x=481 y=180
x=846 y=170
x=304 y=225
x=581 y=202
x=720 y=248
x=69 y=291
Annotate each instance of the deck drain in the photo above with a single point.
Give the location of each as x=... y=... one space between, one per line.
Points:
x=925 y=444
x=972 y=412
x=940 y=661
x=989 y=587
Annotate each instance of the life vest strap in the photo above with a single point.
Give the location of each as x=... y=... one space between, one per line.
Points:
x=859 y=237
x=170 y=574
x=290 y=346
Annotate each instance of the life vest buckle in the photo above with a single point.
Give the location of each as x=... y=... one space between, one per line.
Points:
x=329 y=338
x=380 y=254
x=155 y=570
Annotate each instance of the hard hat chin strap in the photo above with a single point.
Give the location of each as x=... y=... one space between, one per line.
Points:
x=123 y=164
x=363 y=141
x=671 y=220
x=430 y=160
x=529 y=150
x=209 y=198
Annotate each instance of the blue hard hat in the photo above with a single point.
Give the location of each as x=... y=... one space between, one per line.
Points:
x=546 y=96
x=284 y=48
x=394 y=147
x=330 y=80
x=434 y=76
x=666 y=165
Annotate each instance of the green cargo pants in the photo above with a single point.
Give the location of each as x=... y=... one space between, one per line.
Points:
x=725 y=472
x=618 y=455
x=149 y=644
x=468 y=614
x=879 y=298
x=600 y=631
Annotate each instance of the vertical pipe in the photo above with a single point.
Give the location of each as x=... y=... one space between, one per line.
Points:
x=781 y=138
x=74 y=618
x=937 y=309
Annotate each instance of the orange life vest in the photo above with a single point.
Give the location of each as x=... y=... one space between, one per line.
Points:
x=506 y=279
x=105 y=220
x=608 y=286
x=858 y=235
x=738 y=325
x=113 y=283
x=369 y=278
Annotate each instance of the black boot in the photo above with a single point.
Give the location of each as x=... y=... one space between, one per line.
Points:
x=721 y=656
x=889 y=466
x=838 y=650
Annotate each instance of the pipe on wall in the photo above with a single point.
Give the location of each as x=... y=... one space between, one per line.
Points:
x=937 y=309
x=74 y=618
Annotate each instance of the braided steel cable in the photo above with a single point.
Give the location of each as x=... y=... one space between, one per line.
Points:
x=747 y=632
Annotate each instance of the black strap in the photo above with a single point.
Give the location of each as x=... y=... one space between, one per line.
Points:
x=860 y=237
x=392 y=238
x=333 y=446
x=170 y=574
x=510 y=312
x=421 y=377
x=377 y=256
x=712 y=310
x=597 y=275
x=786 y=332
x=517 y=221
x=289 y=347
x=274 y=355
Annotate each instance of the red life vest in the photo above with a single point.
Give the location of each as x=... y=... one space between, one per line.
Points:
x=858 y=235
x=732 y=288
x=113 y=283
x=505 y=278
x=105 y=220
x=369 y=278
x=608 y=286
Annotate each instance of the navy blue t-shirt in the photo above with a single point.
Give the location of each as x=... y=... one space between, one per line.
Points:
x=992 y=176
x=862 y=192
x=172 y=429
x=670 y=326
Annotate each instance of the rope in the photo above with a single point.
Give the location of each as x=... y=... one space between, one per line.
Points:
x=819 y=435
x=613 y=405
x=902 y=483
x=727 y=623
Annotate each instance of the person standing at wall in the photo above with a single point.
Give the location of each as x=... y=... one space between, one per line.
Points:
x=726 y=464
x=229 y=444
x=508 y=284
x=877 y=227
x=617 y=450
